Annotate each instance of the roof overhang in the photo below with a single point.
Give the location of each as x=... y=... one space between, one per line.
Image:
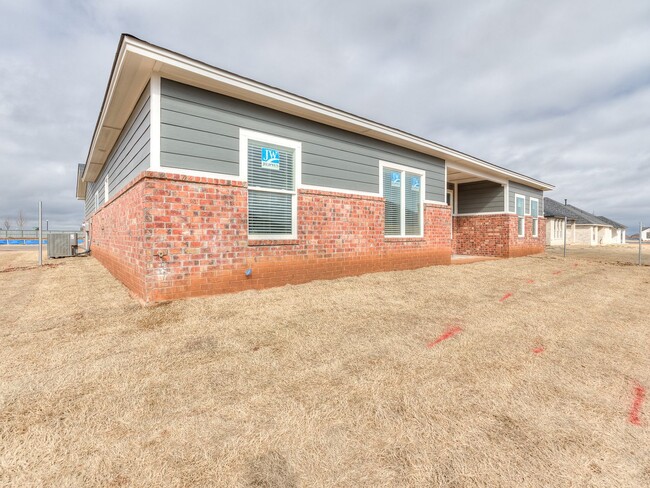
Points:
x=136 y=61
x=81 y=184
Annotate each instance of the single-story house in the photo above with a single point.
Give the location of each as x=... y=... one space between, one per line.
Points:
x=615 y=234
x=645 y=234
x=556 y=226
x=201 y=181
x=581 y=227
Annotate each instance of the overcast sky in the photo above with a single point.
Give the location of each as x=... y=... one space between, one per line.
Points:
x=558 y=90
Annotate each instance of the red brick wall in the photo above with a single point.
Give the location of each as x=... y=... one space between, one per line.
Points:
x=481 y=235
x=117 y=237
x=523 y=246
x=495 y=235
x=195 y=240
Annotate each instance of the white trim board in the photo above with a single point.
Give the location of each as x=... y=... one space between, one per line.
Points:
x=404 y=169
x=154 y=122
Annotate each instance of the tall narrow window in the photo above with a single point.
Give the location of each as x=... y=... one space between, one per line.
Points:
x=106 y=189
x=402 y=189
x=272 y=170
x=96 y=201
x=534 y=212
x=520 y=204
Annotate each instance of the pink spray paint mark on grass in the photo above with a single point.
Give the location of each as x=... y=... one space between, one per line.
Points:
x=505 y=297
x=557 y=272
x=538 y=350
x=637 y=404
x=451 y=332
x=530 y=281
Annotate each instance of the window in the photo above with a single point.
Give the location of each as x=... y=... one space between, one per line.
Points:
x=520 y=204
x=534 y=212
x=273 y=169
x=96 y=201
x=403 y=191
x=106 y=189
x=558 y=228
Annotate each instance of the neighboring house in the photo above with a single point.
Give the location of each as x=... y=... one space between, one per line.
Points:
x=615 y=234
x=581 y=227
x=645 y=234
x=200 y=181
x=556 y=225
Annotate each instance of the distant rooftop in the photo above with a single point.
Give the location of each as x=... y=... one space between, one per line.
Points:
x=553 y=208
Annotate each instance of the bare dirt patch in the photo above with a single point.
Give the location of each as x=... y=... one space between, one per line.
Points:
x=330 y=383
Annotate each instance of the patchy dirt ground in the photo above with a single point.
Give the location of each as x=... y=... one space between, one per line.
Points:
x=515 y=373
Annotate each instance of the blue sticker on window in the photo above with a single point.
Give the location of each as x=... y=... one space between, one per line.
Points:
x=395 y=179
x=270 y=158
x=415 y=183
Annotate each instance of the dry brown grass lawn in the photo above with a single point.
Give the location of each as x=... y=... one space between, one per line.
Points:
x=328 y=383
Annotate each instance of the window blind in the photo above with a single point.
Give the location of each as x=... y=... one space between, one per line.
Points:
x=392 y=182
x=271 y=171
x=412 y=217
x=275 y=170
x=269 y=213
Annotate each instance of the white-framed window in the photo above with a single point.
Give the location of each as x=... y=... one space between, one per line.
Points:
x=106 y=189
x=520 y=207
x=534 y=212
x=96 y=200
x=272 y=168
x=558 y=229
x=403 y=191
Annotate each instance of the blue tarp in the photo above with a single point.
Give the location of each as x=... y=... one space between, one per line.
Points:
x=20 y=242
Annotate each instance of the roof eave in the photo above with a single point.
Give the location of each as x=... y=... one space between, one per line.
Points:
x=136 y=60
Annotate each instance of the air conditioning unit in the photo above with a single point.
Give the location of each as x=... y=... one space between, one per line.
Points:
x=62 y=245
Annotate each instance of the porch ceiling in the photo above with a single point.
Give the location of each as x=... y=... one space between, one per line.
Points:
x=455 y=175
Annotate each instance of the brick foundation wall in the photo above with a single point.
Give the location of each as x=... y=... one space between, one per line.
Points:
x=495 y=235
x=187 y=236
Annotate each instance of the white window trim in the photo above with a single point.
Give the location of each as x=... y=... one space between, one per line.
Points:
x=452 y=193
x=535 y=231
x=517 y=195
x=244 y=136
x=404 y=169
x=96 y=200
x=106 y=192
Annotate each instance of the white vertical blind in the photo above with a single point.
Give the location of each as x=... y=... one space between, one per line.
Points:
x=413 y=211
x=393 y=207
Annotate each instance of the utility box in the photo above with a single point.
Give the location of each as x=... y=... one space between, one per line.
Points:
x=62 y=245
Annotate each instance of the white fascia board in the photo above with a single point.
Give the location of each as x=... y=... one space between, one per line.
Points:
x=246 y=89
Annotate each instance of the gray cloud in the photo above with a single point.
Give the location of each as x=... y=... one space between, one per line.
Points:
x=557 y=90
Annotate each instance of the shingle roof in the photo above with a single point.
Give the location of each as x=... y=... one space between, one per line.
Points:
x=611 y=222
x=556 y=209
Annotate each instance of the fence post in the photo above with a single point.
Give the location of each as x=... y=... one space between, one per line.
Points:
x=565 y=229
x=640 y=240
x=40 y=233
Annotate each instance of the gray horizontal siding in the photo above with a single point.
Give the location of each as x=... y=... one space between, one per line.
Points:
x=528 y=192
x=200 y=131
x=480 y=196
x=129 y=156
